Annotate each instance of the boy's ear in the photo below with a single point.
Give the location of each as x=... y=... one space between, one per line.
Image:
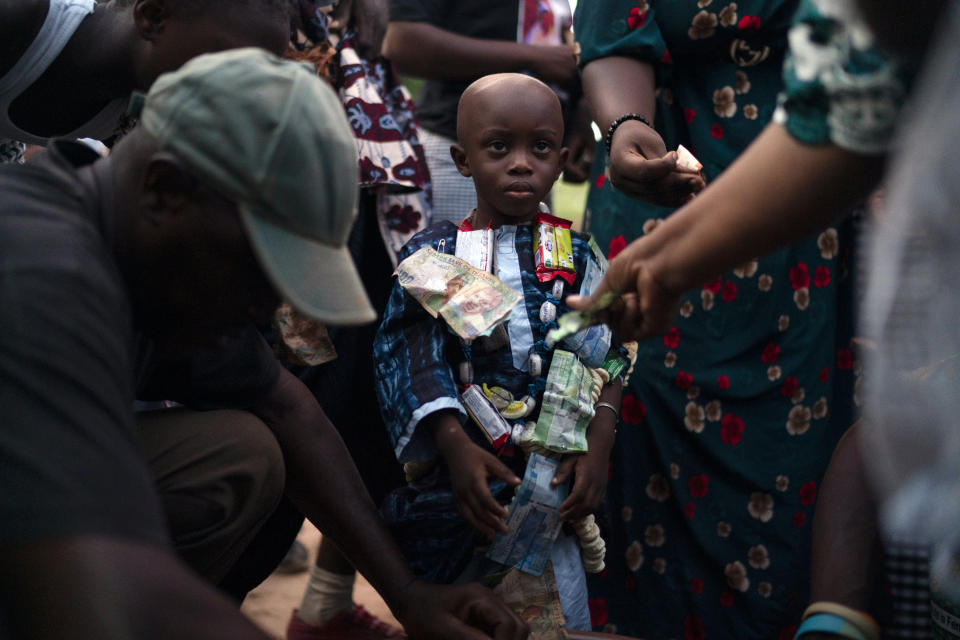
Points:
x=460 y=159
x=149 y=17
x=564 y=156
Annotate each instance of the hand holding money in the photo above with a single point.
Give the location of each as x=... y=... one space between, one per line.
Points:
x=629 y=298
x=641 y=167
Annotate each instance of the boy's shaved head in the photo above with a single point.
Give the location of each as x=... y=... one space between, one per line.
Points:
x=489 y=89
x=510 y=131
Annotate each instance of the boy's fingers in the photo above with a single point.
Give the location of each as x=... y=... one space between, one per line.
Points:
x=500 y=470
x=564 y=469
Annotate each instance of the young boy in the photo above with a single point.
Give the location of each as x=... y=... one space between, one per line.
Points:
x=510 y=131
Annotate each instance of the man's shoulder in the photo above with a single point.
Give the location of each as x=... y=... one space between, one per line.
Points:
x=49 y=231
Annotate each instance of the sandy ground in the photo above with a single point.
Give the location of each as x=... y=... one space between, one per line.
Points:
x=270 y=604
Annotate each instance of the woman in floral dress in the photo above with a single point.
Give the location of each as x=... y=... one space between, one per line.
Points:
x=731 y=416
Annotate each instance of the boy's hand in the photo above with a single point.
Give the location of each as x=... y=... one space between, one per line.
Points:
x=590 y=469
x=470 y=466
x=589 y=485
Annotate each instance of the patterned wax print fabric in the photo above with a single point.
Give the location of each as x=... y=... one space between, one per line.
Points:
x=380 y=111
x=730 y=417
x=417 y=358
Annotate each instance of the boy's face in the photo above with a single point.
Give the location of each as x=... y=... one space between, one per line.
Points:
x=511 y=147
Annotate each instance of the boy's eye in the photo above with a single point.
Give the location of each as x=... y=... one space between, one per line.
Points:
x=497 y=146
x=542 y=146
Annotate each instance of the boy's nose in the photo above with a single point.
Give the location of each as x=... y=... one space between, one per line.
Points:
x=520 y=162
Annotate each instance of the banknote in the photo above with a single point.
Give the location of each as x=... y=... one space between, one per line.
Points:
x=567 y=406
x=534 y=520
x=575 y=321
x=471 y=301
x=591 y=344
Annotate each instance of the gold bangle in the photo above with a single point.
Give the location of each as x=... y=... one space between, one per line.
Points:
x=862 y=621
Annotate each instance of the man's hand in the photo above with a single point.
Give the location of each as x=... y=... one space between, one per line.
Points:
x=641 y=167
x=461 y=612
x=645 y=307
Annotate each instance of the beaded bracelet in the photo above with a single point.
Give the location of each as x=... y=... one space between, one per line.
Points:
x=862 y=621
x=831 y=624
x=608 y=139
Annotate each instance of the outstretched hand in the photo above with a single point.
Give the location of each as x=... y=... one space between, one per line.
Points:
x=457 y=612
x=641 y=167
x=644 y=308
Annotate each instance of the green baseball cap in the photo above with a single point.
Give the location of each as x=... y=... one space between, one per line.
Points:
x=271 y=136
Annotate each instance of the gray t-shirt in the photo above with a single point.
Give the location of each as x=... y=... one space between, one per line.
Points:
x=70 y=456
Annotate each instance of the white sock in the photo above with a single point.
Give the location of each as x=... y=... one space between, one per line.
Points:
x=326 y=595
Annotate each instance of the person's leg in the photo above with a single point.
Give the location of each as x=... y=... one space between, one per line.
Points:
x=219 y=474
x=263 y=555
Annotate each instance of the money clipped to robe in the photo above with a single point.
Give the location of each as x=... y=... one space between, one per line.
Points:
x=471 y=301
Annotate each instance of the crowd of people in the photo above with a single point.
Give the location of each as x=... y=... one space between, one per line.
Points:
x=246 y=279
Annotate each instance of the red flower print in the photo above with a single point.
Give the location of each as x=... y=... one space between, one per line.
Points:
x=799 y=276
x=693 y=628
x=844 y=359
x=731 y=429
x=798 y=519
x=630 y=583
x=684 y=380
x=824 y=374
x=666 y=59
x=770 y=353
x=689 y=509
x=671 y=338
x=689 y=115
x=696 y=585
x=821 y=276
x=617 y=245
x=600 y=181
x=716 y=131
x=808 y=493
x=714 y=286
x=598 y=612
x=729 y=291
x=751 y=23
x=789 y=387
x=698 y=485
x=632 y=410
x=723 y=382
x=636 y=19
x=726 y=599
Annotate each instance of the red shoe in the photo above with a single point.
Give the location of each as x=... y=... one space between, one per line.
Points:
x=357 y=624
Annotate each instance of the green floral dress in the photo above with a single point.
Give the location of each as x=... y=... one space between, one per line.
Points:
x=730 y=418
